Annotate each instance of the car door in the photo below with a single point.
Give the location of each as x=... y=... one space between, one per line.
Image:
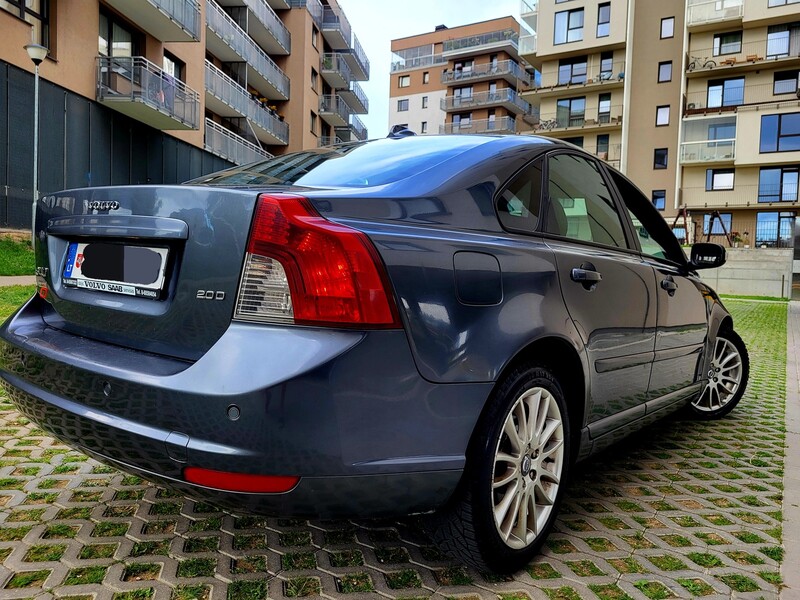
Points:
x=608 y=290
x=682 y=313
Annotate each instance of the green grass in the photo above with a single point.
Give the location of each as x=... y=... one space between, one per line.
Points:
x=735 y=297
x=14 y=296
x=654 y=590
x=16 y=257
x=85 y=575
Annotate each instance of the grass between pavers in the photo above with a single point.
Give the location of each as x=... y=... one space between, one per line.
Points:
x=16 y=256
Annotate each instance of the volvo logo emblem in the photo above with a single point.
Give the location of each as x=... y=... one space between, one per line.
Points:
x=103 y=205
x=526 y=465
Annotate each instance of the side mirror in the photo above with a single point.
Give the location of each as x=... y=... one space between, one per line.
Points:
x=707 y=256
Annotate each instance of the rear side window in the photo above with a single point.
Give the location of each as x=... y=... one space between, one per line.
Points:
x=581 y=206
x=519 y=204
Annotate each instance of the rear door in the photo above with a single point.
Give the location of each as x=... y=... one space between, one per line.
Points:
x=608 y=290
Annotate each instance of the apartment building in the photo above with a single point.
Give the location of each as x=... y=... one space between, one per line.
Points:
x=696 y=101
x=463 y=79
x=160 y=91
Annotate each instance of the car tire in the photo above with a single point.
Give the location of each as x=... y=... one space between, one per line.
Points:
x=730 y=366
x=511 y=489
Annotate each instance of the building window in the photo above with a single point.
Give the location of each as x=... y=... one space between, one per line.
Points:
x=780 y=133
x=404 y=81
x=604 y=108
x=462 y=121
x=785 y=82
x=116 y=39
x=314 y=79
x=424 y=102
x=424 y=127
x=313 y=122
x=662 y=116
x=402 y=105
x=660 y=158
x=604 y=19
x=725 y=92
x=571 y=112
x=173 y=67
x=659 y=199
x=602 y=146
x=778 y=184
x=716 y=227
x=606 y=66
x=568 y=26
x=572 y=70
x=719 y=179
x=577 y=141
x=775 y=229
x=665 y=71
x=35 y=12
x=426 y=77
x=727 y=43
x=667 y=27
x=314 y=35
x=772 y=3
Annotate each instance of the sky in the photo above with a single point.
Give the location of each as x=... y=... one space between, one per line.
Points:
x=377 y=22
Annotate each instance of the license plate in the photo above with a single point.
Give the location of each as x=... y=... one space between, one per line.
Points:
x=116 y=268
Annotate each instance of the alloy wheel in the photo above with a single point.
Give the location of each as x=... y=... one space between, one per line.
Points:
x=724 y=377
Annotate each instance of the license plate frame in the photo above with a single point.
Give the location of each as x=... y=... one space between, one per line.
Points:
x=133 y=259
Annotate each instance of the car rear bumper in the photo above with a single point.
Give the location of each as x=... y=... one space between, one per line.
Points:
x=345 y=411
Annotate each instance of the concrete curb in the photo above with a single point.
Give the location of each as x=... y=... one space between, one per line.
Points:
x=17 y=280
x=791 y=479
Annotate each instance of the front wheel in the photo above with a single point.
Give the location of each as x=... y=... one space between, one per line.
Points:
x=727 y=377
x=515 y=475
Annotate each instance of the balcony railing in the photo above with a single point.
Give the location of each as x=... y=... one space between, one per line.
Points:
x=486 y=40
x=336 y=28
x=356 y=98
x=596 y=73
x=232 y=147
x=611 y=153
x=594 y=118
x=327 y=140
x=166 y=20
x=702 y=12
x=501 y=125
x=698 y=102
x=336 y=70
x=747 y=53
x=314 y=8
x=505 y=96
x=359 y=62
x=527 y=7
x=233 y=36
x=500 y=69
x=358 y=128
x=705 y=151
x=403 y=64
x=334 y=110
x=742 y=196
x=273 y=25
x=232 y=94
x=527 y=44
x=134 y=86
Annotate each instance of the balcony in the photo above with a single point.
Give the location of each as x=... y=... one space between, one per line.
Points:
x=709 y=140
x=742 y=196
x=709 y=14
x=401 y=63
x=165 y=20
x=506 y=40
x=507 y=98
x=232 y=147
x=335 y=70
x=228 y=42
x=264 y=26
x=227 y=98
x=701 y=103
x=314 y=8
x=610 y=75
x=136 y=87
x=527 y=45
x=336 y=28
x=529 y=13
x=356 y=98
x=279 y=4
x=505 y=69
x=570 y=123
x=358 y=61
x=501 y=125
x=334 y=111
x=327 y=140
x=611 y=153
x=355 y=132
x=751 y=56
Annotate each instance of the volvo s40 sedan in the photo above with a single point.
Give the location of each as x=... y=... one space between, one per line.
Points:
x=438 y=325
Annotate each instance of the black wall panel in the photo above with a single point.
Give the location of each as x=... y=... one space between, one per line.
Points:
x=139 y=156
x=121 y=153
x=170 y=164
x=20 y=133
x=76 y=159
x=100 y=150
x=51 y=138
x=4 y=117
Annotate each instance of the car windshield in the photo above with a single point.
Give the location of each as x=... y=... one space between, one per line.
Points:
x=361 y=164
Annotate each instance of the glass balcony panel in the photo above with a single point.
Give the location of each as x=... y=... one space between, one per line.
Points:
x=702 y=12
x=501 y=125
x=506 y=69
x=166 y=20
x=232 y=147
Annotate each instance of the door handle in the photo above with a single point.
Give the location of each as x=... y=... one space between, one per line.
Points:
x=586 y=275
x=669 y=285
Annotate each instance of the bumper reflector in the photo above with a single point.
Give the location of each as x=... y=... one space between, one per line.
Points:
x=240 y=482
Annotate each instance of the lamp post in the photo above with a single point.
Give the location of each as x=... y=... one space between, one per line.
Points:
x=37 y=54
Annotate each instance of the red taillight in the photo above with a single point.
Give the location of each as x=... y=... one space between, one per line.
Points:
x=305 y=269
x=240 y=482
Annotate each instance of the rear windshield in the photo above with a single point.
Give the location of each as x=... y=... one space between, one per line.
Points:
x=361 y=164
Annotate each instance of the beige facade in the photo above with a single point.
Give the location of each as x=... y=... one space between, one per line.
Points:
x=252 y=78
x=463 y=79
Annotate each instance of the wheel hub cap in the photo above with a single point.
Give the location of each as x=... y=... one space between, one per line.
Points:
x=526 y=465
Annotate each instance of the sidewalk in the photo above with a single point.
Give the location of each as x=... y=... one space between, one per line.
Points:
x=17 y=280
x=791 y=479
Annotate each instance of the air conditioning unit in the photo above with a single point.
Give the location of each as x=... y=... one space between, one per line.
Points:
x=691 y=106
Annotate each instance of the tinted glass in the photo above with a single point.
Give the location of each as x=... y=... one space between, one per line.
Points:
x=349 y=165
x=769 y=133
x=519 y=204
x=581 y=205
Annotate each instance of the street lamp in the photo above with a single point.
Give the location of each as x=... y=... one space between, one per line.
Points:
x=37 y=54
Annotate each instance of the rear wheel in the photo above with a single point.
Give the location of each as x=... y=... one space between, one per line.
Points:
x=727 y=377
x=514 y=479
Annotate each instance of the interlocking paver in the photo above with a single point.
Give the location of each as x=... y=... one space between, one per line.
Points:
x=685 y=509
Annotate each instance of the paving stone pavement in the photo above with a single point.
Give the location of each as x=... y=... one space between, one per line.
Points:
x=682 y=509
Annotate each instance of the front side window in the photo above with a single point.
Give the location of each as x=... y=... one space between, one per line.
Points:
x=727 y=43
x=667 y=27
x=519 y=204
x=604 y=19
x=665 y=71
x=714 y=226
x=572 y=70
x=719 y=179
x=581 y=206
x=778 y=184
x=780 y=133
x=568 y=26
x=726 y=92
x=571 y=112
x=660 y=158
